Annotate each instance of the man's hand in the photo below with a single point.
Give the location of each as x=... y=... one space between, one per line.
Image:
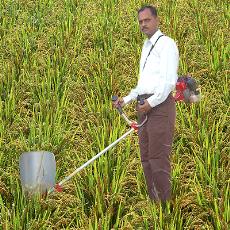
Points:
x=144 y=108
x=118 y=102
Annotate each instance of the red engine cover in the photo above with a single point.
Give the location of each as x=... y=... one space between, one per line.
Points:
x=180 y=87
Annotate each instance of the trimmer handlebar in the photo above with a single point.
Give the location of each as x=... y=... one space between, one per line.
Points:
x=133 y=124
x=114 y=98
x=119 y=108
x=141 y=101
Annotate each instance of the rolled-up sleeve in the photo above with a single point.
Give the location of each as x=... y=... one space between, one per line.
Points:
x=132 y=96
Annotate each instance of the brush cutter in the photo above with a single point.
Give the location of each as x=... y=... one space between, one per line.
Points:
x=38 y=169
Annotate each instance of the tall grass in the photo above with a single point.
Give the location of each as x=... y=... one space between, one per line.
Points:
x=61 y=61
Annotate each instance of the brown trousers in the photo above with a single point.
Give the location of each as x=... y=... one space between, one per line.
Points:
x=155 y=141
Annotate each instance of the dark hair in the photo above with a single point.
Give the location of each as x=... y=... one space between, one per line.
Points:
x=153 y=9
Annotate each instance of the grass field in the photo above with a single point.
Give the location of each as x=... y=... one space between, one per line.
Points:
x=61 y=61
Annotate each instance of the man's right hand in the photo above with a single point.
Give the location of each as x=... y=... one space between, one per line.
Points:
x=118 y=102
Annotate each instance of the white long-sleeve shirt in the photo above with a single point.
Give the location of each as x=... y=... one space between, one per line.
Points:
x=159 y=75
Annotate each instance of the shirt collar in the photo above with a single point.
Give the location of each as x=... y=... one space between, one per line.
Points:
x=155 y=36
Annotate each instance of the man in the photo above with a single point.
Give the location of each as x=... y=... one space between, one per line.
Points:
x=158 y=76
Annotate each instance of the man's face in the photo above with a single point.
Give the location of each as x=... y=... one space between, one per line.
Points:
x=148 y=23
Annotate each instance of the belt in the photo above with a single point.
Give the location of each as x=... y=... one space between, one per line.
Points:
x=146 y=96
x=143 y=96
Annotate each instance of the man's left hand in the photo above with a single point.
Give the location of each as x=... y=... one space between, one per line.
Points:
x=144 y=108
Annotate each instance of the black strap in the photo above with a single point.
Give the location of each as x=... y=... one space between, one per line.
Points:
x=151 y=50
